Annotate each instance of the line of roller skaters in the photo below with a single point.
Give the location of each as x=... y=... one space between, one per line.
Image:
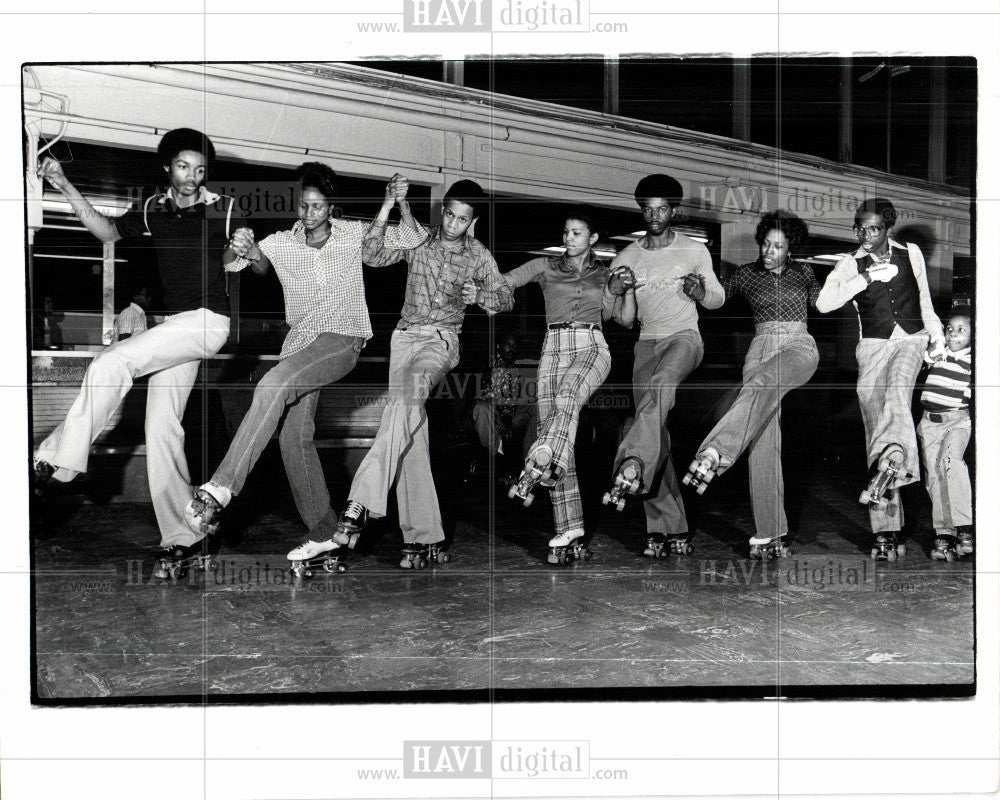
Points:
x=658 y=281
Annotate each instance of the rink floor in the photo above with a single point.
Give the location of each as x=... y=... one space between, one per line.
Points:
x=498 y=616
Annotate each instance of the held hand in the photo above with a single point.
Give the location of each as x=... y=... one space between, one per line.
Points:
x=396 y=189
x=882 y=273
x=51 y=170
x=936 y=350
x=470 y=293
x=621 y=280
x=242 y=241
x=694 y=286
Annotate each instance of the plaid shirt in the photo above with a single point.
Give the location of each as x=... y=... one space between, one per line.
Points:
x=437 y=272
x=324 y=287
x=784 y=297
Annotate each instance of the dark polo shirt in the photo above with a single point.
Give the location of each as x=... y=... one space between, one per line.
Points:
x=189 y=243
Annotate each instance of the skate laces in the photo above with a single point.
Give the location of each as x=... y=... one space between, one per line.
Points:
x=354 y=511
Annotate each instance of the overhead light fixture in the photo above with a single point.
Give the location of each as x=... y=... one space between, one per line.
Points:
x=110 y=207
x=554 y=250
x=697 y=235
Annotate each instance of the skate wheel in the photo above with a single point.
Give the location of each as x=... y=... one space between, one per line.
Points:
x=901 y=550
x=701 y=488
x=512 y=492
x=529 y=500
x=687 y=549
x=341 y=567
x=176 y=572
x=587 y=555
x=443 y=558
x=553 y=559
x=949 y=557
x=620 y=505
x=890 y=555
x=298 y=570
x=865 y=498
x=606 y=499
x=874 y=552
x=330 y=566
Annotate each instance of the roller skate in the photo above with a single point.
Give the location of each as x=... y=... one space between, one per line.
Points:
x=41 y=475
x=766 y=548
x=660 y=546
x=536 y=470
x=567 y=547
x=314 y=556
x=945 y=547
x=702 y=470
x=350 y=524
x=628 y=479
x=965 y=546
x=418 y=556
x=890 y=464
x=203 y=511
x=887 y=548
x=174 y=561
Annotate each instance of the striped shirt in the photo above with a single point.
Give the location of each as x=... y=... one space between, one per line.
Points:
x=948 y=386
x=324 y=287
x=437 y=272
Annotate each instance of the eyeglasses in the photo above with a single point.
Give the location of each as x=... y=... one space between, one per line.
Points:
x=871 y=230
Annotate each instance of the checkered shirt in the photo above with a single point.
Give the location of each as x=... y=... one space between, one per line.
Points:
x=773 y=297
x=324 y=287
x=436 y=275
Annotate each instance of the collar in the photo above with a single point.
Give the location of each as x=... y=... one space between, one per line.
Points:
x=298 y=231
x=466 y=244
x=204 y=196
x=965 y=352
x=791 y=264
x=559 y=263
x=861 y=252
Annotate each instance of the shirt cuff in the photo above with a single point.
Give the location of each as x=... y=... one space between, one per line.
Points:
x=239 y=264
x=857 y=284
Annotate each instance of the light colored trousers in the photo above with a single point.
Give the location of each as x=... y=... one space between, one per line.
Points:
x=945 y=472
x=293 y=384
x=419 y=358
x=573 y=365
x=660 y=366
x=170 y=354
x=887 y=373
x=782 y=357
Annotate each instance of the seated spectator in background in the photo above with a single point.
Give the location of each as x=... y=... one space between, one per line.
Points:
x=503 y=410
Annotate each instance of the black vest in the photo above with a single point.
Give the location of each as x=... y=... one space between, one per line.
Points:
x=884 y=305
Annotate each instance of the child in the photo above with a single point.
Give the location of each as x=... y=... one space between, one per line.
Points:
x=944 y=433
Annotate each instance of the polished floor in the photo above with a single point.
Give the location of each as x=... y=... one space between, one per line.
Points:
x=498 y=620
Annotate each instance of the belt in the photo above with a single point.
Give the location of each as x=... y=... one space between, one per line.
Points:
x=941 y=416
x=575 y=326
